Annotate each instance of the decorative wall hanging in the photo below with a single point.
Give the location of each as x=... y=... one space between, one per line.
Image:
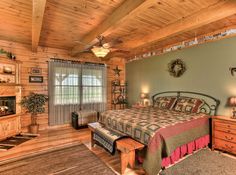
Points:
x=176 y=68
x=36 y=71
x=36 y=79
x=117 y=71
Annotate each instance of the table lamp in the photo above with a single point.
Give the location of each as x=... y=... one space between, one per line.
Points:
x=144 y=97
x=232 y=103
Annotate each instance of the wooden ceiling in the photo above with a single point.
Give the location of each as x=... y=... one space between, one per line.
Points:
x=138 y=24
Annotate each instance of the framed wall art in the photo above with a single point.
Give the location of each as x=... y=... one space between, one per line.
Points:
x=36 y=71
x=36 y=79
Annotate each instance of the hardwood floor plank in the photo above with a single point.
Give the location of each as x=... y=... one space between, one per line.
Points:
x=56 y=138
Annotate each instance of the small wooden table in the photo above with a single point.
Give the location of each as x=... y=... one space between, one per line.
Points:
x=127 y=146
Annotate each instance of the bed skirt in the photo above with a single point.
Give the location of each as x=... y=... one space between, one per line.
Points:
x=186 y=149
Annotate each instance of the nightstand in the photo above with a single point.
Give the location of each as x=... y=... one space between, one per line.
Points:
x=224 y=134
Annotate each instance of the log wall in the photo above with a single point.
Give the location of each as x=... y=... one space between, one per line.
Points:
x=29 y=60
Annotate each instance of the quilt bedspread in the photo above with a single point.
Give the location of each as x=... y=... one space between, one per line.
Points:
x=142 y=123
x=161 y=130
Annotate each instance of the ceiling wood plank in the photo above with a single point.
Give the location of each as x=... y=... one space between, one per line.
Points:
x=37 y=21
x=127 y=10
x=213 y=13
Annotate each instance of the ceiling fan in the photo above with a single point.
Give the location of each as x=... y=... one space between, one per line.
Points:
x=102 y=48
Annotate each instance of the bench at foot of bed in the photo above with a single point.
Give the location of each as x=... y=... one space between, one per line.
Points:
x=127 y=147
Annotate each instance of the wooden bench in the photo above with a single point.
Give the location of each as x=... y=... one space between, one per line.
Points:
x=92 y=127
x=126 y=146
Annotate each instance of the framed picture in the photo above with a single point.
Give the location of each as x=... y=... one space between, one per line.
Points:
x=36 y=79
x=36 y=71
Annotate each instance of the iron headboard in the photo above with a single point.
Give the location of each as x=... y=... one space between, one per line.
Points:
x=210 y=105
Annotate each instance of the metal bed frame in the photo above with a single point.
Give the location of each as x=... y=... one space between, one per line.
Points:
x=210 y=105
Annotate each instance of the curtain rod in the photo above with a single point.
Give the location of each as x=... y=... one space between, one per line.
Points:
x=75 y=61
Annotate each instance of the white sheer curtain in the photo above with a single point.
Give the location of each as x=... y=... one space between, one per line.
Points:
x=74 y=86
x=94 y=93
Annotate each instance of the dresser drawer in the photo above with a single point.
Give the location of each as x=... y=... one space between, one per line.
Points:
x=226 y=130
x=226 y=125
x=225 y=136
x=224 y=145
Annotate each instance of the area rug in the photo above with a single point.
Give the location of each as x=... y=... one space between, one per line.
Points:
x=203 y=162
x=13 y=141
x=77 y=159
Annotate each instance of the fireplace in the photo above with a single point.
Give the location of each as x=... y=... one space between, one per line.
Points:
x=7 y=105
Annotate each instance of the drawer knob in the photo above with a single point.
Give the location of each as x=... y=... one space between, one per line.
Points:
x=229 y=138
x=228 y=131
x=229 y=147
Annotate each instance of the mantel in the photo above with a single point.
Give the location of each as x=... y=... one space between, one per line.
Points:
x=10 y=84
x=10 y=116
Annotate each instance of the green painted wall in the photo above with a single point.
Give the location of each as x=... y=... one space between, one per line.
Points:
x=207 y=72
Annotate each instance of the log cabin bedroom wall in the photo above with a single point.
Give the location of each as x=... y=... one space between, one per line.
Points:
x=30 y=60
x=151 y=48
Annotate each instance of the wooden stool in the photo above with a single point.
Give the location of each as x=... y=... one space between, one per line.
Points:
x=127 y=146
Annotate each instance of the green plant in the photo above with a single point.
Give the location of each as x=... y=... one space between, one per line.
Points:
x=34 y=104
x=8 y=54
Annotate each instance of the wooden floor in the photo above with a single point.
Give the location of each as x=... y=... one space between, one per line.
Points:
x=60 y=137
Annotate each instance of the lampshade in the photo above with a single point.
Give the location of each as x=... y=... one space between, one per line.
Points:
x=232 y=101
x=100 y=51
x=144 y=95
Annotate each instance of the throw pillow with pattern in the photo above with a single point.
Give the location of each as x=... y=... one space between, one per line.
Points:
x=165 y=102
x=188 y=105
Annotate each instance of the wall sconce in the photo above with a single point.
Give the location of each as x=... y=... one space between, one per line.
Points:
x=232 y=103
x=232 y=70
x=144 y=99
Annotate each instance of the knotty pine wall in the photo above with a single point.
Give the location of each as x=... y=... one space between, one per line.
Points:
x=39 y=59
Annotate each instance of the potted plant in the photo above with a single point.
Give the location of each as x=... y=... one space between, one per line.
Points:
x=34 y=104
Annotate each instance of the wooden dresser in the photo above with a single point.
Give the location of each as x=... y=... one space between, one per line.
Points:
x=224 y=134
x=9 y=126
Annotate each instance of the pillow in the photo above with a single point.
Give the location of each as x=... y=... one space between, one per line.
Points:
x=165 y=102
x=188 y=105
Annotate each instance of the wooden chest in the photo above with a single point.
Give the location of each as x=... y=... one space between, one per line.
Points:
x=9 y=126
x=224 y=134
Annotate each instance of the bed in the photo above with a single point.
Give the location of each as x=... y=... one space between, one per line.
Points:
x=176 y=124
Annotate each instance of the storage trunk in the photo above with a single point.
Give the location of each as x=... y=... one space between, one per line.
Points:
x=82 y=118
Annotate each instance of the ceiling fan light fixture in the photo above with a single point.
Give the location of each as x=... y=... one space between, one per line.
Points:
x=100 y=52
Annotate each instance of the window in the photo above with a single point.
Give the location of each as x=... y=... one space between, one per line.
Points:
x=92 y=86
x=80 y=84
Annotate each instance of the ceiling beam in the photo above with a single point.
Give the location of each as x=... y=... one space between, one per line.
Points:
x=203 y=17
x=128 y=9
x=37 y=21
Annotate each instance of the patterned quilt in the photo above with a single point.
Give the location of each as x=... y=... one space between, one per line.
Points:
x=161 y=130
x=142 y=123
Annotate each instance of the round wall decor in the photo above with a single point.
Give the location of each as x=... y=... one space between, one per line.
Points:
x=176 y=68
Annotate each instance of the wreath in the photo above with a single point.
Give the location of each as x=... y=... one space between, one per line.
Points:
x=176 y=68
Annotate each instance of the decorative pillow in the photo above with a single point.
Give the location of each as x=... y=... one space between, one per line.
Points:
x=188 y=105
x=165 y=102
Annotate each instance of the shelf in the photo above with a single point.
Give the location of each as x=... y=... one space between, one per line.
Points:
x=119 y=103
x=119 y=98
x=8 y=60
x=120 y=92
x=123 y=85
x=8 y=74
x=9 y=84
